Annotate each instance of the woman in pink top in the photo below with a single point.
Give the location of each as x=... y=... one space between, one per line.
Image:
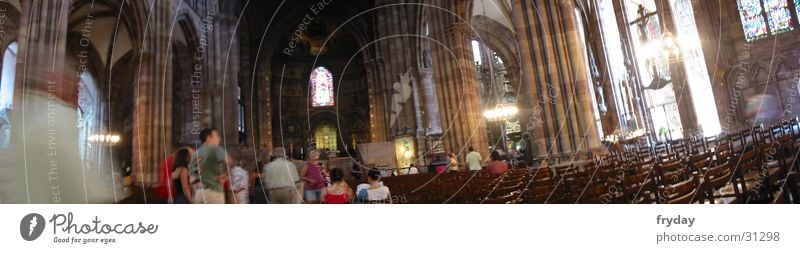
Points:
x=498 y=165
x=313 y=174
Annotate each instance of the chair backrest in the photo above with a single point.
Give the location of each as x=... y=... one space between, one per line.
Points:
x=719 y=175
x=701 y=161
x=684 y=192
x=633 y=187
x=672 y=171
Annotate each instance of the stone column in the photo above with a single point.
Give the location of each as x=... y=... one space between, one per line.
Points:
x=151 y=138
x=225 y=64
x=418 y=106
x=263 y=105
x=377 y=100
x=46 y=164
x=580 y=79
x=430 y=104
x=555 y=78
x=534 y=125
x=458 y=88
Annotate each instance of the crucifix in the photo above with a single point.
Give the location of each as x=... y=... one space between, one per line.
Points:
x=645 y=19
x=642 y=22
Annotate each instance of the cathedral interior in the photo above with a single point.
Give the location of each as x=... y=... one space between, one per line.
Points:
x=94 y=95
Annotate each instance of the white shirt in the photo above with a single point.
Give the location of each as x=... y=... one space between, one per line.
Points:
x=474 y=160
x=280 y=173
x=410 y=171
x=380 y=193
x=239 y=184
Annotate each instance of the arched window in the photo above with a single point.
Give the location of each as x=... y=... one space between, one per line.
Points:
x=752 y=19
x=7 y=92
x=87 y=114
x=476 y=52
x=777 y=13
x=241 y=122
x=797 y=7
x=321 y=87
x=7 y=82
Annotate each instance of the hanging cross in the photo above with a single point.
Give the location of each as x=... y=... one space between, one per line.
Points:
x=641 y=22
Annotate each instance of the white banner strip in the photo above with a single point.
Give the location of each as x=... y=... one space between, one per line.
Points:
x=397 y=228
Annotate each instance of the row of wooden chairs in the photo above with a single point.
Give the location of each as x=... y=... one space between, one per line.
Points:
x=754 y=165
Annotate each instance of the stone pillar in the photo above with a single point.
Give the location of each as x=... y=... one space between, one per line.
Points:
x=579 y=61
x=225 y=64
x=458 y=87
x=151 y=138
x=397 y=51
x=46 y=166
x=263 y=84
x=430 y=104
x=534 y=125
x=418 y=105
x=377 y=100
x=555 y=78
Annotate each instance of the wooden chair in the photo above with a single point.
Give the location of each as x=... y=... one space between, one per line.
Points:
x=671 y=172
x=636 y=186
x=697 y=146
x=718 y=186
x=509 y=198
x=538 y=194
x=700 y=161
x=685 y=192
x=785 y=194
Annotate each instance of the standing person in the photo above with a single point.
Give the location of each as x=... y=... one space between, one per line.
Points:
x=240 y=184
x=258 y=194
x=280 y=179
x=313 y=174
x=498 y=165
x=209 y=163
x=180 y=177
x=474 y=159
x=453 y=164
x=165 y=190
x=413 y=169
x=339 y=191
x=373 y=192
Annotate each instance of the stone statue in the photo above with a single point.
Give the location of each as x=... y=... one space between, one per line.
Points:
x=427 y=62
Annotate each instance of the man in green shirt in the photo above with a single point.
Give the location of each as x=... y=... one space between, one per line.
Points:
x=209 y=164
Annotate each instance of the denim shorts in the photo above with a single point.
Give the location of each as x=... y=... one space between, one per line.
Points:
x=313 y=195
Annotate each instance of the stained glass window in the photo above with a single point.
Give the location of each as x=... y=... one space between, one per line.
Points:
x=780 y=19
x=752 y=19
x=797 y=7
x=7 y=93
x=7 y=81
x=321 y=87
x=241 y=123
x=87 y=108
